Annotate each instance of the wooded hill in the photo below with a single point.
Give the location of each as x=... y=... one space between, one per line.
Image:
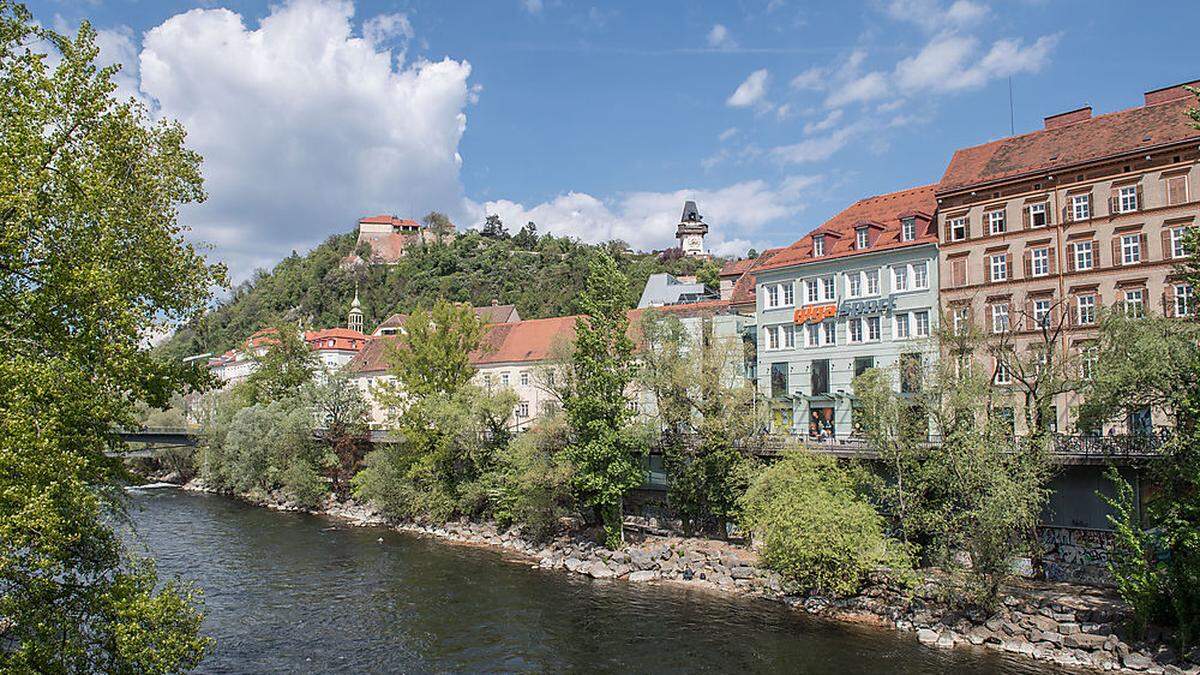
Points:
x=541 y=275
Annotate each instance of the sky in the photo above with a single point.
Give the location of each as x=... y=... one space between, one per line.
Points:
x=597 y=120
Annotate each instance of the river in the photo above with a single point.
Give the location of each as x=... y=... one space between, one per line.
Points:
x=292 y=593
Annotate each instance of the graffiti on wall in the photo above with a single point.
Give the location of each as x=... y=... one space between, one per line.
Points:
x=1076 y=554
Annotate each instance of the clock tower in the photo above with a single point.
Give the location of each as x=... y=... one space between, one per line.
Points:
x=691 y=230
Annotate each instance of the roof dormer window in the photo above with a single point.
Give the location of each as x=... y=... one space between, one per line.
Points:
x=908 y=229
x=818 y=245
x=862 y=238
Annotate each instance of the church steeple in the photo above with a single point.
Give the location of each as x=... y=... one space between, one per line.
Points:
x=355 y=320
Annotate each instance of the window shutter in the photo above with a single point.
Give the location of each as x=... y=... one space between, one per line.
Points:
x=1071 y=257
x=1142 y=238
x=1028 y=263
x=1140 y=204
x=1052 y=259
x=1030 y=321
x=1166 y=244
x=987 y=268
x=1116 y=251
x=1091 y=206
x=1070 y=308
x=1095 y=254
x=1008 y=265
x=1066 y=214
x=1114 y=201
x=1169 y=301
x=947 y=229
x=1025 y=218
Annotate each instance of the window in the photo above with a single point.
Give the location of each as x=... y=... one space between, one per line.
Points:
x=1085 y=310
x=999 y=267
x=779 y=380
x=958 y=271
x=1084 y=256
x=958 y=228
x=899 y=278
x=813 y=332
x=908 y=229
x=1037 y=215
x=901 y=330
x=854 y=330
x=524 y=378
x=827 y=289
x=921 y=275
x=853 y=285
x=503 y=379
x=872 y=282
x=1039 y=262
x=1087 y=364
x=818 y=245
x=523 y=409
x=873 y=323
x=780 y=295
x=862 y=238
x=999 y=318
x=1002 y=375
x=829 y=328
x=770 y=337
x=1131 y=249
x=921 y=323
x=820 y=377
x=789 y=336
x=1135 y=303
x=1127 y=199
x=1081 y=207
x=862 y=364
x=811 y=288
x=1041 y=313
x=1177 y=249
x=1183 y=300
x=962 y=320
x=910 y=373
x=1177 y=190
x=996 y=221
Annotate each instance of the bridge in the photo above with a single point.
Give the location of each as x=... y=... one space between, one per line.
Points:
x=1093 y=450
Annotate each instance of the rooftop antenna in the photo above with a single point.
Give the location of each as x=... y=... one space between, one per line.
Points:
x=1012 y=127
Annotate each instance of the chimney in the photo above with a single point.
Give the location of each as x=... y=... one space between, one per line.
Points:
x=1171 y=93
x=1070 y=117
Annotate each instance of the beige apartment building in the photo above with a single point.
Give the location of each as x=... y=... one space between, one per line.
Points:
x=1052 y=226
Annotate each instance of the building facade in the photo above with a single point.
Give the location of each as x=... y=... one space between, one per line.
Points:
x=858 y=292
x=1041 y=232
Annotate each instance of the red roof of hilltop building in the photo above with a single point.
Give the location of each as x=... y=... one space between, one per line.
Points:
x=1073 y=138
x=881 y=215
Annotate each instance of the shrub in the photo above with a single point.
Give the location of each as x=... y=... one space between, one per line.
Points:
x=303 y=483
x=531 y=485
x=814 y=527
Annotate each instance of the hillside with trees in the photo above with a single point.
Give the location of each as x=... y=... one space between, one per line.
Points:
x=541 y=274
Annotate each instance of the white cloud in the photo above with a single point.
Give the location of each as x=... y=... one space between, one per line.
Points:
x=948 y=63
x=1009 y=57
x=932 y=16
x=647 y=220
x=385 y=28
x=825 y=124
x=117 y=47
x=859 y=90
x=719 y=38
x=813 y=78
x=727 y=134
x=532 y=6
x=817 y=149
x=750 y=91
x=305 y=126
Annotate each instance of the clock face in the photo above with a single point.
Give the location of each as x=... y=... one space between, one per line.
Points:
x=693 y=242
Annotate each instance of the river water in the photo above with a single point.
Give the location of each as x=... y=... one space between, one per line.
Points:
x=293 y=593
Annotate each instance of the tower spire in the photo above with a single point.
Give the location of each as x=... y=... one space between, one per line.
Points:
x=355 y=320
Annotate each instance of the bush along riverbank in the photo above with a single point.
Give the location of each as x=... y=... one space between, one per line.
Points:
x=1069 y=625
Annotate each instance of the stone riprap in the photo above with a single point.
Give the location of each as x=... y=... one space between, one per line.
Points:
x=1069 y=625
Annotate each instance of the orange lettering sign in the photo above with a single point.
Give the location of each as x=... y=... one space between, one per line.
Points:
x=814 y=314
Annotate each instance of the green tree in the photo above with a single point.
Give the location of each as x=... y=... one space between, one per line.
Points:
x=93 y=261
x=433 y=353
x=531 y=483
x=1153 y=362
x=527 y=238
x=439 y=225
x=594 y=400
x=815 y=527
x=703 y=408
x=493 y=228
x=342 y=412
x=284 y=369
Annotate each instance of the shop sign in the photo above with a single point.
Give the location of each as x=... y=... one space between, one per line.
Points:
x=854 y=308
x=814 y=313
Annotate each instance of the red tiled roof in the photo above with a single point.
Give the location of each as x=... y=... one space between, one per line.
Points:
x=342 y=339
x=881 y=213
x=385 y=219
x=743 y=289
x=735 y=268
x=1163 y=121
x=490 y=314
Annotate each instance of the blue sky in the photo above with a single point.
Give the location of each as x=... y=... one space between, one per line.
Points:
x=598 y=120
